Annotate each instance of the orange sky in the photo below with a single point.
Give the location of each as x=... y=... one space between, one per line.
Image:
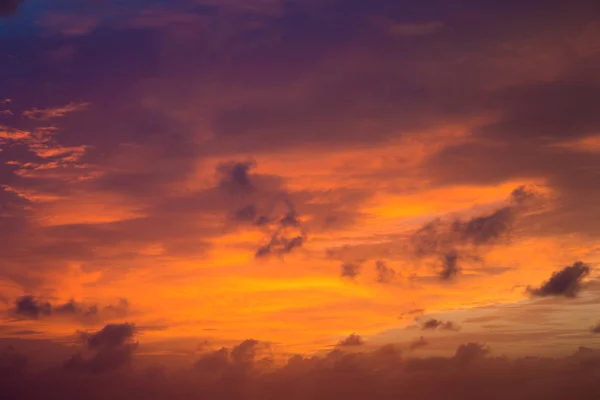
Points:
x=217 y=176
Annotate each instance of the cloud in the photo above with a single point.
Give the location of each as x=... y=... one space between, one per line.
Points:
x=8 y=7
x=433 y=324
x=235 y=176
x=385 y=274
x=285 y=233
x=418 y=344
x=595 y=329
x=455 y=241
x=353 y=340
x=112 y=335
x=566 y=282
x=334 y=376
x=31 y=308
x=112 y=348
x=469 y=352
x=349 y=270
x=46 y=114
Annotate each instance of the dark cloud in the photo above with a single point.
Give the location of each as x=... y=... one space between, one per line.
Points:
x=385 y=274
x=285 y=233
x=455 y=241
x=111 y=335
x=595 y=329
x=8 y=7
x=418 y=344
x=353 y=340
x=469 y=352
x=566 y=282
x=32 y=308
x=349 y=270
x=433 y=324
x=112 y=348
x=235 y=176
x=334 y=376
x=450 y=267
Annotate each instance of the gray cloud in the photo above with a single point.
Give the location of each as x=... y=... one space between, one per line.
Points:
x=566 y=282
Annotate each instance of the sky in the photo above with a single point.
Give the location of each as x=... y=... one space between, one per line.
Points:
x=310 y=198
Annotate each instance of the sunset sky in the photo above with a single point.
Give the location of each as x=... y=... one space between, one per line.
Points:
x=297 y=177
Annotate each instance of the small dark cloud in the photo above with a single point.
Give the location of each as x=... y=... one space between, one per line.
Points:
x=385 y=274
x=418 y=344
x=8 y=7
x=31 y=308
x=595 y=329
x=469 y=352
x=566 y=282
x=353 y=340
x=433 y=324
x=349 y=271
x=235 y=176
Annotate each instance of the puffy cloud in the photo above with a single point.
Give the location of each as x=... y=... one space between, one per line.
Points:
x=112 y=348
x=111 y=335
x=351 y=341
x=336 y=375
x=470 y=352
x=567 y=282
